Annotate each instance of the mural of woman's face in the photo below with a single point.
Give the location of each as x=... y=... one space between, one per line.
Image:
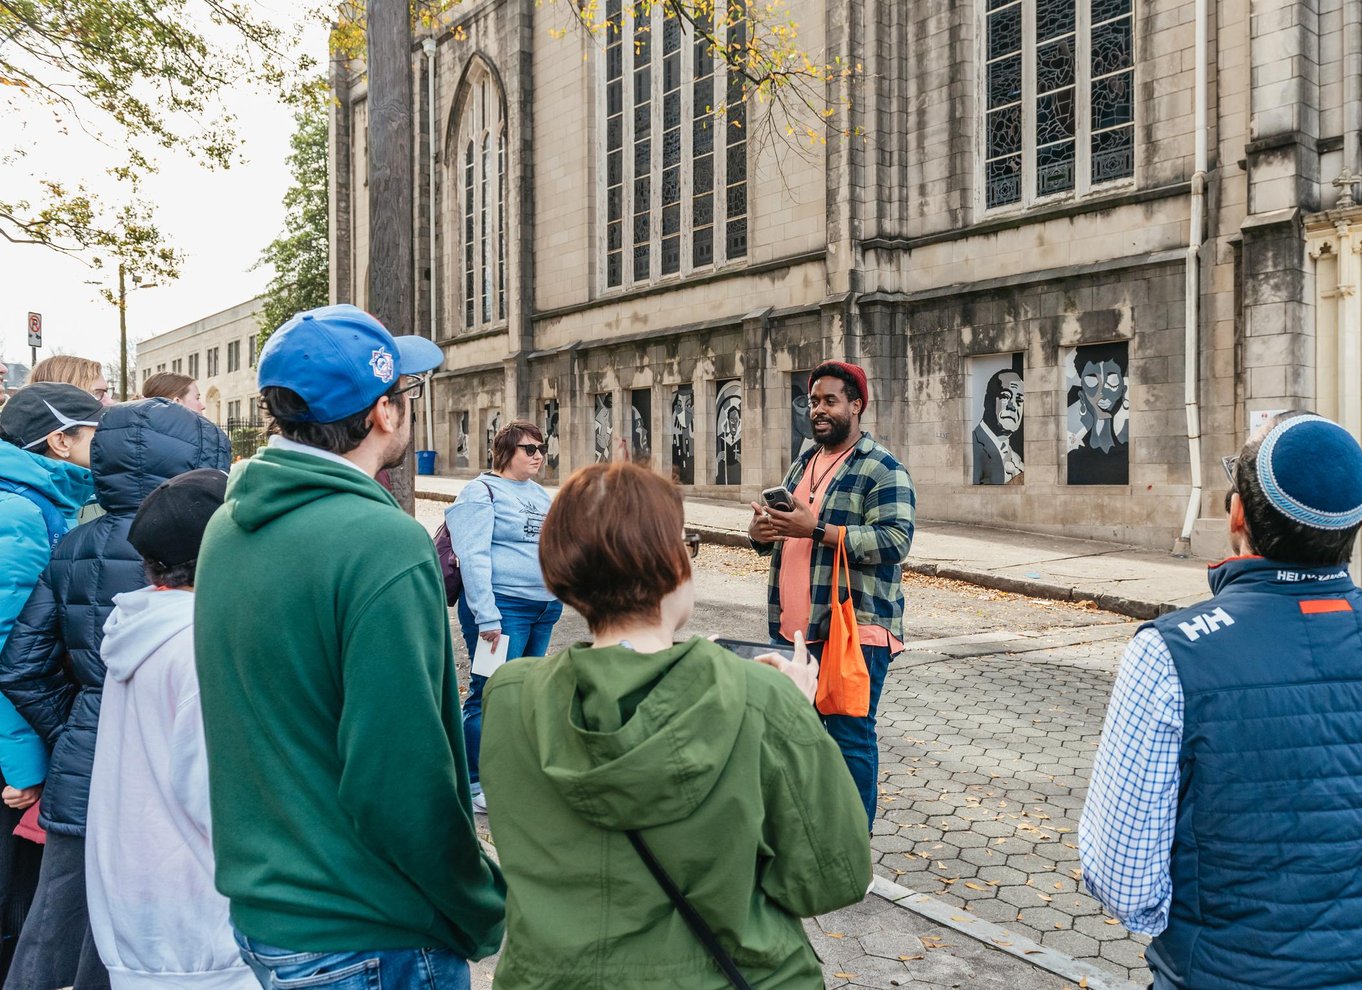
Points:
x=802 y=426
x=1104 y=387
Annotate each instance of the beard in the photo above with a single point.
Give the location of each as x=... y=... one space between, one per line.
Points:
x=837 y=431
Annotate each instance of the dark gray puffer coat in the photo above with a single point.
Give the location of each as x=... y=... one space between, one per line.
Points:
x=51 y=668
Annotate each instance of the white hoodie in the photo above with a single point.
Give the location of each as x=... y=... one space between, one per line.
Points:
x=155 y=915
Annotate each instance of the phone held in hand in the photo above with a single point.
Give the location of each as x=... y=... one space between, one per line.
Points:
x=778 y=498
x=750 y=650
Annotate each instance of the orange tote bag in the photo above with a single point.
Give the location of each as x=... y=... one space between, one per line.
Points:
x=843 y=680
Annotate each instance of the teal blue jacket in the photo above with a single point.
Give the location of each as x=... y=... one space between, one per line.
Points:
x=23 y=534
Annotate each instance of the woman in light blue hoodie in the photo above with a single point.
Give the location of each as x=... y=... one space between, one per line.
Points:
x=494 y=531
x=45 y=478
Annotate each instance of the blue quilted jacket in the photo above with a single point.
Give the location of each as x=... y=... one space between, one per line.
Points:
x=51 y=668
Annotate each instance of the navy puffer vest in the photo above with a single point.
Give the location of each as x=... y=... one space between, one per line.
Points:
x=1267 y=854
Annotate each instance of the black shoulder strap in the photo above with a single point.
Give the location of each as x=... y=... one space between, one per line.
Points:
x=692 y=917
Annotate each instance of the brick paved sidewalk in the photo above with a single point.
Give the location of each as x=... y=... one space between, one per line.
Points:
x=1140 y=583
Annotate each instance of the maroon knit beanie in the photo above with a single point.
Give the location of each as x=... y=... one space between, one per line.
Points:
x=855 y=371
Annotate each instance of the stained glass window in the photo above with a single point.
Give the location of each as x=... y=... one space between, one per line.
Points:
x=643 y=129
x=671 y=146
x=735 y=126
x=482 y=211
x=679 y=201
x=1003 y=155
x=1058 y=97
x=469 y=267
x=1113 y=84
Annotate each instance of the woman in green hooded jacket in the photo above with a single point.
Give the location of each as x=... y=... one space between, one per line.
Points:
x=719 y=763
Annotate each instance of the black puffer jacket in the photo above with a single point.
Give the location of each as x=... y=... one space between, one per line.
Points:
x=51 y=669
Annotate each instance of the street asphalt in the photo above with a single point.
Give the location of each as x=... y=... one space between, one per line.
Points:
x=988 y=723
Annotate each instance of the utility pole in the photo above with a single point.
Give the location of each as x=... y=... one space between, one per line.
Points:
x=122 y=335
x=391 y=293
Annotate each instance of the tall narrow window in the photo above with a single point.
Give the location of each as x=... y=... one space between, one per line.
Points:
x=479 y=175
x=484 y=240
x=614 y=145
x=1113 y=84
x=470 y=269
x=674 y=143
x=1058 y=85
x=735 y=121
x=643 y=149
x=702 y=140
x=501 y=222
x=1004 y=123
x=1056 y=114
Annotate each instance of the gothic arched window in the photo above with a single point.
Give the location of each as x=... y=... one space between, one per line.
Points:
x=479 y=174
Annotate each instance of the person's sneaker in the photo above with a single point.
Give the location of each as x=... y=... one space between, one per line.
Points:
x=480 y=802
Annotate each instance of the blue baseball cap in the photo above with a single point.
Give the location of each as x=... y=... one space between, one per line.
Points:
x=339 y=360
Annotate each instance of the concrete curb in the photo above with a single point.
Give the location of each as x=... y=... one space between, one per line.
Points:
x=1136 y=608
x=996 y=937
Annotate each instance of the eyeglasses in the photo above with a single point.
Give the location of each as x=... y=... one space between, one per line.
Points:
x=415 y=390
x=531 y=449
x=692 y=541
x=99 y=393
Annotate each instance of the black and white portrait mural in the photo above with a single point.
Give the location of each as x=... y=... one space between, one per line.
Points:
x=493 y=425
x=605 y=425
x=641 y=424
x=681 y=428
x=997 y=399
x=551 y=436
x=461 y=439
x=801 y=431
x=728 y=433
x=1098 y=414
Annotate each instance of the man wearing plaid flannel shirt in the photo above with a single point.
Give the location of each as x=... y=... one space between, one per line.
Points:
x=847 y=483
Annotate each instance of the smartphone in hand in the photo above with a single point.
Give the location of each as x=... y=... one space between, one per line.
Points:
x=750 y=650
x=778 y=498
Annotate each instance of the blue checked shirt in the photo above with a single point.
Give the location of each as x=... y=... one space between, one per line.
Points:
x=1125 y=837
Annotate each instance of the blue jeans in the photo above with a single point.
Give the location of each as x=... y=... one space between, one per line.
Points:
x=856 y=737
x=386 y=969
x=529 y=624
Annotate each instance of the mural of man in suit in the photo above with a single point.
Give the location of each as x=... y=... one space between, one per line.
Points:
x=996 y=460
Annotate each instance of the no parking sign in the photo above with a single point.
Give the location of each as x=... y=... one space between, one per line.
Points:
x=35 y=329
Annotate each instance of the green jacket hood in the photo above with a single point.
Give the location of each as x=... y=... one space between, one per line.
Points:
x=274 y=483
x=645 y=737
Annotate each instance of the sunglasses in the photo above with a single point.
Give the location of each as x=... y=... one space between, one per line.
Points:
x=531 y=449
x=1230 y=464
x=692 y=541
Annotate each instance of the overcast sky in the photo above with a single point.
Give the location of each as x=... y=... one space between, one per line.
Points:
x=220 y=220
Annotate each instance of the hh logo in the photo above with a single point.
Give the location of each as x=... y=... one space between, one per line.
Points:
x=1205 y=624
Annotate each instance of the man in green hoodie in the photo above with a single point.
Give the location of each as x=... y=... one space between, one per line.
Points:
x=343 y=828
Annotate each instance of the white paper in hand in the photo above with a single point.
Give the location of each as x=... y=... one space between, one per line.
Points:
x=486 y=658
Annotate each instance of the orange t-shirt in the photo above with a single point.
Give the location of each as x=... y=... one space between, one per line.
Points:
x=796 y=563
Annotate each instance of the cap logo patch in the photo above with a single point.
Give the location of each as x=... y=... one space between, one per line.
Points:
x=382 y=363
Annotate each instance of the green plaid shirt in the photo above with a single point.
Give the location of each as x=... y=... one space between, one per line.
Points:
x=872 y=496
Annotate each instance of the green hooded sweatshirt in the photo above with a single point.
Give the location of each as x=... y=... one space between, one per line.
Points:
x=342 y=819
x=723 y=767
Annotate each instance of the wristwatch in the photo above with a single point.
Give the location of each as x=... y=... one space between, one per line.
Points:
x=817 y=532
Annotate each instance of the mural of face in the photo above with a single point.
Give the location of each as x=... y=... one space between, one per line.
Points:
x=1004 y=406
x=1103 y=385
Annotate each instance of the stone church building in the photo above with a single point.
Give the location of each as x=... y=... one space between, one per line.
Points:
x=1080 y=246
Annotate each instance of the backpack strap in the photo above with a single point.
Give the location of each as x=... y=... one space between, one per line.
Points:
x=52 y=517
x=692 y=918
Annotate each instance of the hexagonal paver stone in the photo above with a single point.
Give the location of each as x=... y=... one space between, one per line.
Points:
x=1126 y=952
x=1003 y=876
x=1045 y=919
x=1100 y=928
x=1071 y=943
